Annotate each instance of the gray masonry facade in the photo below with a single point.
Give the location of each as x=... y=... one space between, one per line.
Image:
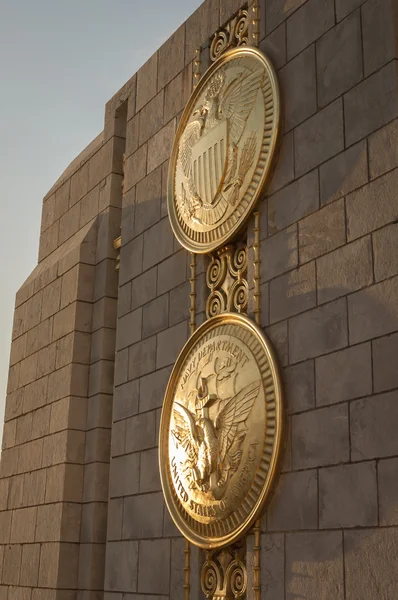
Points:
x=82 y=515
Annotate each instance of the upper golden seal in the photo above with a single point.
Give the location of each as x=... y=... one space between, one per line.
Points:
x=223 y=149
x=220 y=431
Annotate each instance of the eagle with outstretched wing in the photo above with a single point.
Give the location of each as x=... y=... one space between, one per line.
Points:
x=213 y=447
x=232 y=102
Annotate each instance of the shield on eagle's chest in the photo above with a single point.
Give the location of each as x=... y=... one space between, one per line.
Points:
x=209 y=161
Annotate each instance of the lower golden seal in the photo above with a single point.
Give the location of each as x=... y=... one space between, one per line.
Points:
x=220 y=432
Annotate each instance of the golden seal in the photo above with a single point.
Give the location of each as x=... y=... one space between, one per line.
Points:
x=223 y=149
x=220 y=431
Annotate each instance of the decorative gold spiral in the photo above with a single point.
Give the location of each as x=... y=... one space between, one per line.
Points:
x=210 y=578
x=215 y=273
x=219 y=44
x=238 y=579
x=238 y=296
x=241 y=28
x=215 y=304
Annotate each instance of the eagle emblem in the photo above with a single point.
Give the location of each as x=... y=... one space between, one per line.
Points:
x=215 y=152
x=213 y=447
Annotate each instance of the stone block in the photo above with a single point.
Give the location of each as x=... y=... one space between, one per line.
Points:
x=373 y=312
x=38 y=337
x=120 y=485
x=148 y=197
x=158 y=243
x=125 y=401
x=23 y=525
x=179 y=304
x=30 y=565
x=118 y=442
x=300 y=387
x=343 y=375
x=129 y=329
x=24 y=429
x=361 y=216
x=46 y=360
x=135 y=168
x=298 y=84
x=143 y=288
x=32 y=315
x=345 y=270
x=9 y=434
x=15 y=492
x=143 y=516
x=322 y=232
x=141 y=432
x=379 y=21
x=170 y=343
x=149 y=471
x=177 y=93
x=172 y=272
x=344 y=173
x=101 y=377
x=314 y=565
x=371 y=104
x=48 y=570
x=132 y=135
x=319 y=138
x=146 y=82
x=91 y=568
x=51 y=299
x=293 y=292
x=387 y=491
x=48 y=241
x=384 y=249
x=339 y=59
x=307 y=24
x=15 y=402
x=318 y=331
x=5 y=530
x=294 y=202
x=320 y=437
x=152 y=389
x=96 y=481
x=154 y=558
x=272 y=565
x=151 y=118
x=62 y=196
x=200 y=26
x=372 y=425
x=115 y=519
x=283 y=173
x=34 y=488
x=67 y=413
x=345 y=7
x=48 y=527
x=131 y=260
x=121 y=566
x=18 y=348
x=124 y=300
x=89 y=206
x=69 y=223
x=13 y=378
x=78 y=185
x=279 y=337
x=30 y=456
x=171 y=57
x=104 y=313
x=295 y=503
x=384 y=353
x=48 y=213
x=383 y=150
x=160 y=145
x=121 y=367
x=4 y=488
x=64 y=483
x=279 y=253
x=98 y=445
x=142 y=357
x=348 y=496
x=128 y=216
x=68 y=565
x=370 y=566
x=274 y=46
x=12 y=564
x=277 y=11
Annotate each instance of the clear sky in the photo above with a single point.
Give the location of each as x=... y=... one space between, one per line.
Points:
x=60 y=61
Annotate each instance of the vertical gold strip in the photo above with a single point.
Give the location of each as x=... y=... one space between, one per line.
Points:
x=192 y=295
x=255 y=22
x=257 y=264
x=187 y=570
x=256 y=562
x=196 y=65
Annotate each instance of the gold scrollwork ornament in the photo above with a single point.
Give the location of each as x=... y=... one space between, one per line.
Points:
x=223 y=150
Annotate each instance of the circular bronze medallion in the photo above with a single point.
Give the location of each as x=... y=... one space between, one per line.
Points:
x=223 y=149
x=220 y=432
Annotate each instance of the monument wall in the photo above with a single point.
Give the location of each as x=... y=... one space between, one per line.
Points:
x=81 y=505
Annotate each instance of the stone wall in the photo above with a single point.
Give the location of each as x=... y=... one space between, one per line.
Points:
x=329 y=303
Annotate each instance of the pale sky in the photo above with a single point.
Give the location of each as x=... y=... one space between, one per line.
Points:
x=60 y=61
